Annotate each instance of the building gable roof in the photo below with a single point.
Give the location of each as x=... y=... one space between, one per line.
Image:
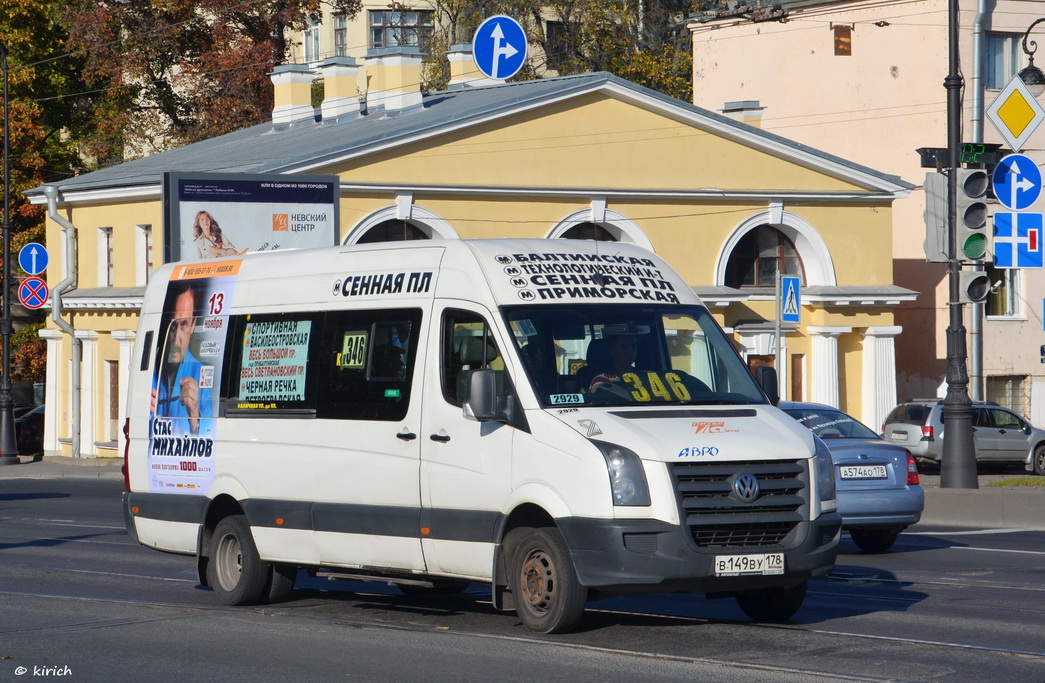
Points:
x=319 y=146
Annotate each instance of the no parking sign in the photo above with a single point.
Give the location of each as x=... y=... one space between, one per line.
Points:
x=33 y=292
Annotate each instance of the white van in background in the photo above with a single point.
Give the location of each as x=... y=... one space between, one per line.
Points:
x=560 y=419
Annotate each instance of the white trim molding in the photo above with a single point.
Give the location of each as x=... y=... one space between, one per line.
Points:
x=816 y=258
x=421 y=218
x=617 y=224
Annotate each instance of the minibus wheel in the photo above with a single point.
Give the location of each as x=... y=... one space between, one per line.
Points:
x=235 y=571
x=543 y=581
x=775 y=604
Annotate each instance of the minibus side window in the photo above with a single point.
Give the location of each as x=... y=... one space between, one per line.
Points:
x=467 y=344
x=270 y=364
x=365 y=364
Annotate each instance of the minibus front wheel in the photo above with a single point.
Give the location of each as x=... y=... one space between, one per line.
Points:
x=548 y=596
x=235 y=571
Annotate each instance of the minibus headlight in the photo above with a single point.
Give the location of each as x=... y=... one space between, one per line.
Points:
x=825 y=470
x=627 y=478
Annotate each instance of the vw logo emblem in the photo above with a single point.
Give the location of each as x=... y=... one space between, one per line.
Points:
x=746 y=487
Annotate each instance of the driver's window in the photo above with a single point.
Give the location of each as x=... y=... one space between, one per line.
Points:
x=467 y=345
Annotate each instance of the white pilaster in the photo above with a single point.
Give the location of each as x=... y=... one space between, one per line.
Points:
x=879 y=374
x=824 y=376
x=54 y=381
x=88 y=392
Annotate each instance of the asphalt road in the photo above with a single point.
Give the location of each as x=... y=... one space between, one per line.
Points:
x=77 y=595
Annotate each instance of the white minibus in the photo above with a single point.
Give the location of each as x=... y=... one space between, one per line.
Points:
x=562 y=420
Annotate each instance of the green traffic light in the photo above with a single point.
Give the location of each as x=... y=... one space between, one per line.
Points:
x=975 y=246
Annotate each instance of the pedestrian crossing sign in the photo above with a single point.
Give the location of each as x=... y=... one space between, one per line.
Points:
x=790 y=299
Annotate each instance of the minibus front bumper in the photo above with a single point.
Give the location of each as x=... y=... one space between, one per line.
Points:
x=629 y=556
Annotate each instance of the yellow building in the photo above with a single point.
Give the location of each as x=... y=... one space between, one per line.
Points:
x=579 y=157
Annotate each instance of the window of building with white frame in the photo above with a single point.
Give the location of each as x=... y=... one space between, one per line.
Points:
x=1004 y=298
x=395 y=28
x=340 y=35
x=1001 y=59
x=310 y=38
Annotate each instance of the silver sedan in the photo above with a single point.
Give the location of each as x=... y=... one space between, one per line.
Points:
x=878 y=490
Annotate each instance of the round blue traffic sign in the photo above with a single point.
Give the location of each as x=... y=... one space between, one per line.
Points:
x=499 y=47
x=33 y=292
x=1017 y=182
x=32 y=258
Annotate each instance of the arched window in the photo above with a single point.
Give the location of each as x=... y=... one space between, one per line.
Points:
x=393 y=231
x=589 y=231
x=757 y=257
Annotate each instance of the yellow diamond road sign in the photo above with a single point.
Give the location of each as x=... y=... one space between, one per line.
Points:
x=1015 y=113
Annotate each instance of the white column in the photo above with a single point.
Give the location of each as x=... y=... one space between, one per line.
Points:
x=88 y=391
x=824 y=376
x=126 y=340
x=879 y=374
x=54 y=381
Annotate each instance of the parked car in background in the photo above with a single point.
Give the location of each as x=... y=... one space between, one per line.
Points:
x=1000 y=435
x=878 y=490
x=29 y=430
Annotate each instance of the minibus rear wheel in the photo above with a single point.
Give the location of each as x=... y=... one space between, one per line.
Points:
x=235 y=571
x=543 y=581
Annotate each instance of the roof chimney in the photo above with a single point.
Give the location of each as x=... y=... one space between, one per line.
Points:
x=393 y=79
x=292 y=95
x=340 y=88
x=745 y=111
x=463 y=70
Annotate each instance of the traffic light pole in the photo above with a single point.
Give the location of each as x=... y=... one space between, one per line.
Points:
x=958 y=467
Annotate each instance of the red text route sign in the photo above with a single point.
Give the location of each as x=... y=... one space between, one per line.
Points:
x=33 y=292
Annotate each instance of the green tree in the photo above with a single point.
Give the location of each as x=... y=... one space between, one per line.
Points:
x=645 y=41
x=178 y=71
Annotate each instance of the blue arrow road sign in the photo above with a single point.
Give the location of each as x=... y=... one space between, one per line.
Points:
x=499 y=47
x=33 y=292
x=790 y=299
x=33 y=258
x=1017 y=182
x=1017 y=240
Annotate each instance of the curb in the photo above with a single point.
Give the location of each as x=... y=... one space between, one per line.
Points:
x=1002 y=508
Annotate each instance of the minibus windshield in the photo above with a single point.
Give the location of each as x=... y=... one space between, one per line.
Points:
x=629 y=355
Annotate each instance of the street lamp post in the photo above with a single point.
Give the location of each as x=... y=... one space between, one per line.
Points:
x=958 y=468
x=1031 y=75
x=8 y=443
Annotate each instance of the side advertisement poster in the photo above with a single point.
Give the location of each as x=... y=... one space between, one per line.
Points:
x=194 y=326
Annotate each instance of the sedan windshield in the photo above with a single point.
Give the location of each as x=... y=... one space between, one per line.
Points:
x=624 y=355
x=828 y=423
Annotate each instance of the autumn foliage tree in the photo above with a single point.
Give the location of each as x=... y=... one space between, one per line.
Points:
x=178 y=71
x=644 y=41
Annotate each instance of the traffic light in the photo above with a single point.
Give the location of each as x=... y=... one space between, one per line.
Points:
x=935 y=217
x=975 y=286
x=971 y=214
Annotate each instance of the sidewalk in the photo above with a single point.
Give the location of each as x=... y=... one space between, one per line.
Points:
x=59 y=467
x=999 y=508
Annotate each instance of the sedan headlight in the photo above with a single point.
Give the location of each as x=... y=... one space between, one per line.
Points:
x=825 y=470
x=627 y=478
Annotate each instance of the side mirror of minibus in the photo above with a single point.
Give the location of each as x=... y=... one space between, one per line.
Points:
x=480 y=399
x=767 y=379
